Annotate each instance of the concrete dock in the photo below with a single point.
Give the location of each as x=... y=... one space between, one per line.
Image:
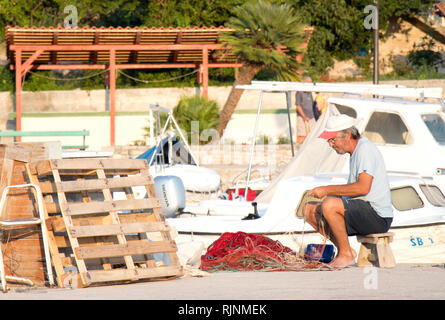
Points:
x=404 y=282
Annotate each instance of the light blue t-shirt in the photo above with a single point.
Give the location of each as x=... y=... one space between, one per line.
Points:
x=366 y=157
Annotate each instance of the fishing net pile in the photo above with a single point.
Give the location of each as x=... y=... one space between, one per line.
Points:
x=252 y=252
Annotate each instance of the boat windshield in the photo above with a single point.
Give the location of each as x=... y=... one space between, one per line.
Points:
x=436 y=125
x=433 y=194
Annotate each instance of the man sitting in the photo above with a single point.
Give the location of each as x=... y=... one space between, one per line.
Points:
x=341 y=211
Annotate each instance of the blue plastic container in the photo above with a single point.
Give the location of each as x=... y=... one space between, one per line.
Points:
x=314 y=252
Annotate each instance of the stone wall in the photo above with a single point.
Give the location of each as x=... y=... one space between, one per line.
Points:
x=224 y=155
x=140 y=99
x=130 y=99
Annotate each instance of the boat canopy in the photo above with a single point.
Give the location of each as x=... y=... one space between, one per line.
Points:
x=314 y=157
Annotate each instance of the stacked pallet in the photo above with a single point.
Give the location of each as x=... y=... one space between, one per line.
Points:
x=96 y=238
x=98 y=232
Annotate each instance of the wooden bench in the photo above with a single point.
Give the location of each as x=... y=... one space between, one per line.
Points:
x=375 y=250
x=83 y=133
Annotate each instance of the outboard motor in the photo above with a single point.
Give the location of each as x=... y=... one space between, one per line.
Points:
x=170 y=190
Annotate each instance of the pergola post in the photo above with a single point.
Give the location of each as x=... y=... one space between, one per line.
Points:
x=20 y=71
x=18 y=91
x=205 y=72
x=112 y=97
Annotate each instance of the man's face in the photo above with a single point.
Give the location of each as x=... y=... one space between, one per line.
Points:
x=338 y=143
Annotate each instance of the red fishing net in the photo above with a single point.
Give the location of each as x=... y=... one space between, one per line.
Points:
x=251 y=252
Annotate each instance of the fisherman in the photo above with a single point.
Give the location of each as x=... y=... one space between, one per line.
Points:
x=360 y=207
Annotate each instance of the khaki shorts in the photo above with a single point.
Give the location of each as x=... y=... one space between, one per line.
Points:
x=301 y=127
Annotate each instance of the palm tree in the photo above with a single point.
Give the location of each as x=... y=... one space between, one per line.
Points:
x=264 y=35
x=196 y=108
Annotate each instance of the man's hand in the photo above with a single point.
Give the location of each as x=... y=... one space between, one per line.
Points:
x=359 y=188
x=318 y=192
x=301 y=113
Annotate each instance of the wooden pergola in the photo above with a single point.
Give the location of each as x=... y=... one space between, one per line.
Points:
x=111 y=49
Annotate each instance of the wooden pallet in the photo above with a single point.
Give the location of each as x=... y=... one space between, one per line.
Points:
x=97 y=228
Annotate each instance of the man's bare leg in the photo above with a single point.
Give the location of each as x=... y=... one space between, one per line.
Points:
x=327 y=232
x=333 y=212
x=313 y=217
x=313 y=212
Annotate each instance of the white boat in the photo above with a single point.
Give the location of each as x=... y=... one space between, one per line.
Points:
x=411 y=137
x=195 y=178
x=418 y=224
x=171 y=158
x=401 y=129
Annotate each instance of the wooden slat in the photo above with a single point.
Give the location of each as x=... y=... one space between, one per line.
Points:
x=97 y=276
x=80 y=173
x=6 y=174
x=137 y=217
x=82 y=208
x=128 y=249
x=90 y=164
x=68 y=222
x=52 y=207
x=114 y=229
x=47 y=187
x=100 y=184
x=56 y=224
x=63 y=241
x=374 y=238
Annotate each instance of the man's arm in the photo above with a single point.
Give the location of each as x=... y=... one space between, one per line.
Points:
x=359 y=188
x=301 y=113
x=298 y=102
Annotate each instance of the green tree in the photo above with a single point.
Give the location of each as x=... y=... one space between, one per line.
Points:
x=183 y=13
x=265 y=35
x=339 y=31
x=132 y=13
x=51 y=13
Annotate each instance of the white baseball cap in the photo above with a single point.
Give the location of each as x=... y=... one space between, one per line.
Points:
x=337 y=123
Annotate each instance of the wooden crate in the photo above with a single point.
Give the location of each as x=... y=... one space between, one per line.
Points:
x=22 y=247
x=99 y=232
